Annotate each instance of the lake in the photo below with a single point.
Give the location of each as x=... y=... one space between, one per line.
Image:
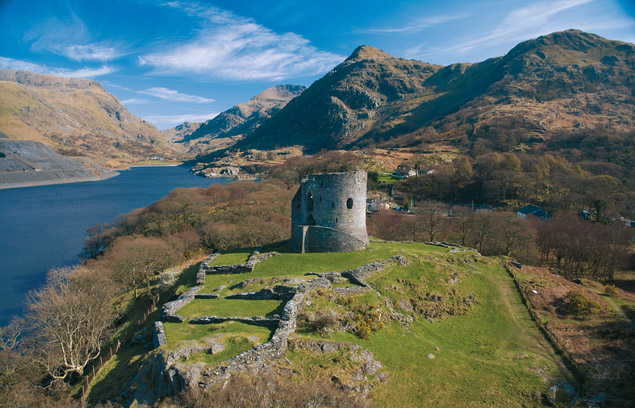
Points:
x=43 y=227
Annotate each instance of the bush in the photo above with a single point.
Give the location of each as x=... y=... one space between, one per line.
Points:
x=610 y=290
x=578 y=305
x=322 y=322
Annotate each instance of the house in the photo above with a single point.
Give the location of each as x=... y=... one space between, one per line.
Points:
x=375 y=205
x=533 y=211
x=403 y=171
x=483 y=208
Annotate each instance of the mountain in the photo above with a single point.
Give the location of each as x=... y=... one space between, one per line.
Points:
x=544 y=94
x=231 y=125
x=75 y=117
x=28 y=163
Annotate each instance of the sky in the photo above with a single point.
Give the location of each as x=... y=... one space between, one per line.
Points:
x=175 y=61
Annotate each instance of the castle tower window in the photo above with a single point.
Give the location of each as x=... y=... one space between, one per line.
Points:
x=332 y=205
x=310 y=204
x=349 y=203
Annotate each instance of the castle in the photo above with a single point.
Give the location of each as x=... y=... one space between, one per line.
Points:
x=328 y=213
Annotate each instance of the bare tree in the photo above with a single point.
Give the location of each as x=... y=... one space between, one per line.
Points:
x=69 y=318
x=432 y=221
x=137 y=259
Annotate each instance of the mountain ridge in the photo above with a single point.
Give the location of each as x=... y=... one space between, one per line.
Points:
x=373 y=98
x=230 y=125
x=75 y=117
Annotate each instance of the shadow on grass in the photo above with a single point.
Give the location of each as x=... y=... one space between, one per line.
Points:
x=136 y=341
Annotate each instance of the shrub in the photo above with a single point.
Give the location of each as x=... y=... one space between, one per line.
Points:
x=610 y=290
x=578 y=305
x=322 y=322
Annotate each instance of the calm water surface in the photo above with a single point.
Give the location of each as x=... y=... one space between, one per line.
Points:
x=43 y=227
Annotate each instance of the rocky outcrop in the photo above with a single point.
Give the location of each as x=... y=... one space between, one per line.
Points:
x=26 y=163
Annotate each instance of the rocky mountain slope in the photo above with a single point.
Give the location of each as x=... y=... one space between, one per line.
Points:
x=542 y=95
x=75 y=117
x=231 y=125
x=28 y=163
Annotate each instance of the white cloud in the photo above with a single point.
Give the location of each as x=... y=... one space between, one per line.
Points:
x=519 y=24
x=417 y=26
x=85 y=72
x=234 y=47
x=165 y=121
x=71 y=39
x=133 y=101
x=9 y=63
x=175 y=96
x=90 y=52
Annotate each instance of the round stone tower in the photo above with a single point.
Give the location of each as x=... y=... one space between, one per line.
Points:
x=328 y=213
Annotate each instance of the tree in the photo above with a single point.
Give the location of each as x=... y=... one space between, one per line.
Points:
x=462 y=225
x=69 y=318
x=432 y=221
x=135 y=259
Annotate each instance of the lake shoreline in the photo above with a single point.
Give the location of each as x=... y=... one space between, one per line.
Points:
x=68 y=180
x=46 y=226
x=52 y=182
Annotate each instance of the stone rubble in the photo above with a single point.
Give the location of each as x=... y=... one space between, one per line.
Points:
x=172 y=373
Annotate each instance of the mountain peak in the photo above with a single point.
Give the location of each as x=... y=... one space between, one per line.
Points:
x=280 y=92
x=364 y=52
x=565 y=42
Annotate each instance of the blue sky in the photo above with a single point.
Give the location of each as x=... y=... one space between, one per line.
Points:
x=172 y=61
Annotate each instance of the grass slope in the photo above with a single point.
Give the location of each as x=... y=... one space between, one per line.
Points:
x=486 y=354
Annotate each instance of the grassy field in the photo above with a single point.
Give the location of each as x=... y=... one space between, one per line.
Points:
x=231 y=307
x=485 y=352
x=179 y=332
x=489 y=357
x=232 y=257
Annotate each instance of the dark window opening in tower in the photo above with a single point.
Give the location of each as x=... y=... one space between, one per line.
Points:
x=349 y=203
x=310 y=204
x=310 y=220
x=336 y=220
x=332 y=205
x=320 y=199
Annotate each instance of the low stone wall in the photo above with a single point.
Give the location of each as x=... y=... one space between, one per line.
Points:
x=247 y=267
x=202 y=270
x=172 y=375
x=254 y=321
x=159 y=335
x=359 y=275
x=168 y=311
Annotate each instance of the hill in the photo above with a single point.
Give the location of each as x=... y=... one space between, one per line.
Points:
x=423 y=310
x=75 y=117
x=28 y=163
x=546 y=94
x=231 y=125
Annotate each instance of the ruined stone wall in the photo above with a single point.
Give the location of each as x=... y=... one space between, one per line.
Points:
x=328 y=213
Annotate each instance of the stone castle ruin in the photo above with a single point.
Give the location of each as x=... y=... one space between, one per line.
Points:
x=328 y=213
